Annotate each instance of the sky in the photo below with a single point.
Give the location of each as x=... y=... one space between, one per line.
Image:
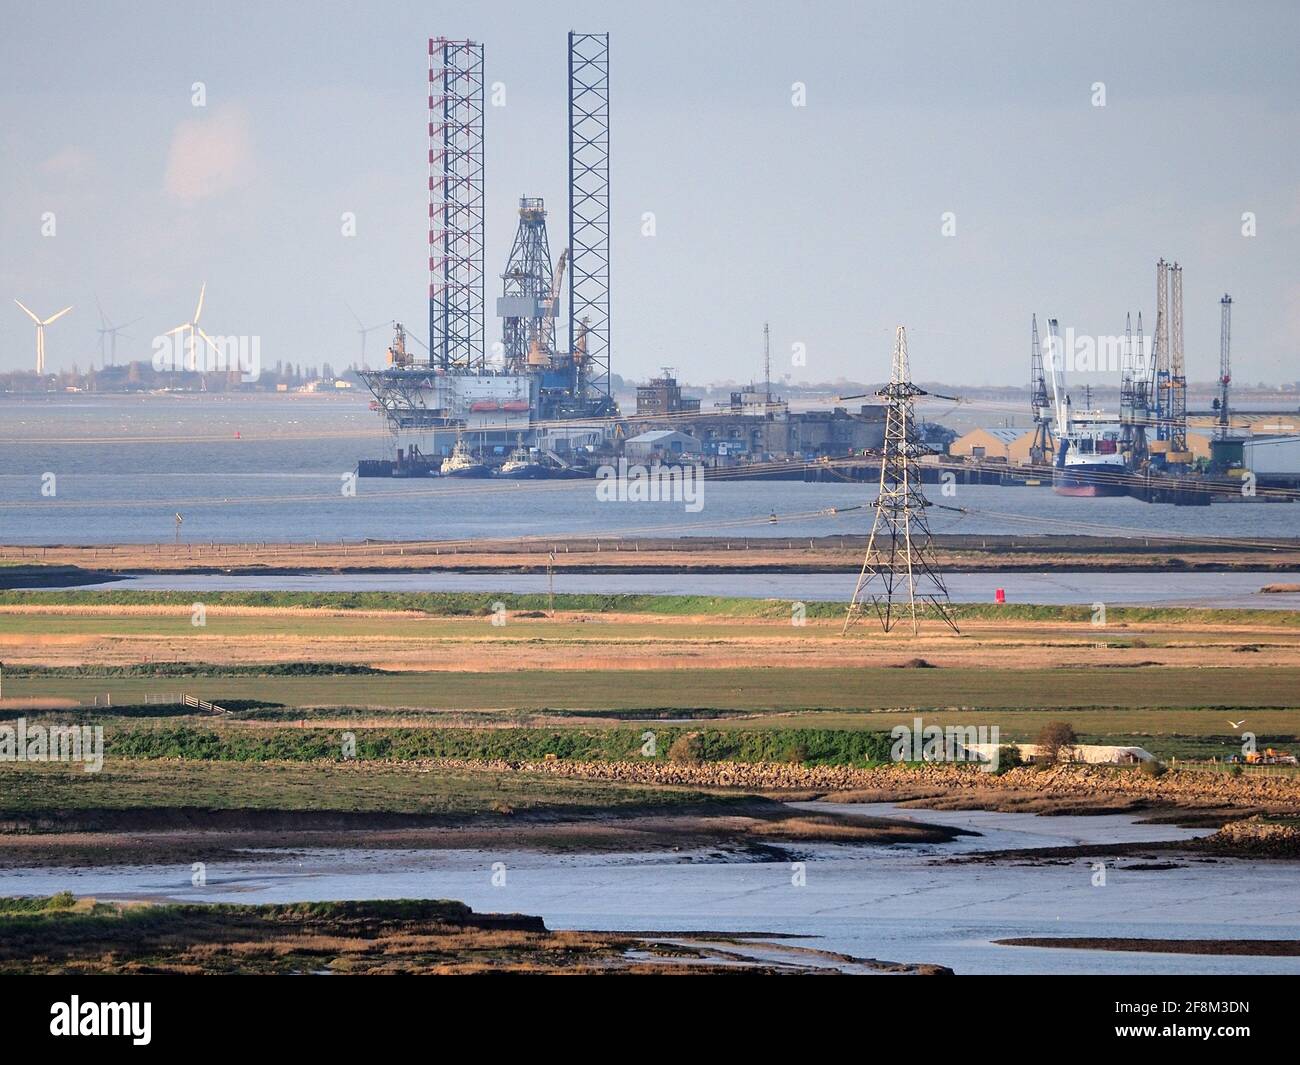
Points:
x=826 y=219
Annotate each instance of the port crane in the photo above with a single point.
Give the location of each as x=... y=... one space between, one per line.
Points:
x=1041 y=448
x=1056 y=359
x=539 y=351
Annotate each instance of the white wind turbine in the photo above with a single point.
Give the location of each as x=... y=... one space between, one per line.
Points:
x=364 y=330
x=191 y=358
x=40 y=332
x=108 y=334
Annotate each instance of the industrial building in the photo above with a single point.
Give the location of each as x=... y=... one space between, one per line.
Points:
x=747 y=432
x=1003 y=444
x=1274 y=460
x=756 y=424
x=663 y=395
x=661 y=444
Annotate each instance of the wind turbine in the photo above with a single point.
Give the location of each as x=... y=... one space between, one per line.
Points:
x=193 y=326
x=109 y=330
x=363 y=329
x=40 y=332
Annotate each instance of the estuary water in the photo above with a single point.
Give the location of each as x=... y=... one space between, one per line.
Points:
x=272 y=468
x=903 y=903
x=1055 y=588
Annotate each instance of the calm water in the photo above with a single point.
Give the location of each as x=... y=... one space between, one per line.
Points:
x=1115 y=589
x=900 y=903
x=270 y=468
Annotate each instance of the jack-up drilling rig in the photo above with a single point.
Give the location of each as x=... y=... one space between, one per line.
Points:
x=456 y=391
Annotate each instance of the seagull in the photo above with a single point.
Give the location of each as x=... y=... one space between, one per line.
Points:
x=1237 y=724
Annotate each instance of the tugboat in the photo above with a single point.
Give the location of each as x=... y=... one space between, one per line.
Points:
x=462 y=463
x=522 y=466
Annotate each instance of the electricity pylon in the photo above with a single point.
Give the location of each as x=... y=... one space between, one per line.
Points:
x=898 y=572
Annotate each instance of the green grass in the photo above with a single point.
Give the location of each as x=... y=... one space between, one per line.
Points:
x=28 y=788
x=474 y=604
x=756 y=689
x=388 y=936
x=40 y=904
x=812 y=746
x=201 y=669
x=169 y=731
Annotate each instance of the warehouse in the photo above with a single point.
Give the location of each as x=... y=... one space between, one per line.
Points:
x=1007 y=444
x=661 y=444
x=1274 y=460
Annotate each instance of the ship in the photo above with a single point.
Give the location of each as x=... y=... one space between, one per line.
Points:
x=521 y=466
x=1089 y=461
x=462 y=463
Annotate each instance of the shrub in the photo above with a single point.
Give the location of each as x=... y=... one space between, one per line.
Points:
x=1009 y=757
x=687 y=749
x=1152 y=768
x=1056 y=742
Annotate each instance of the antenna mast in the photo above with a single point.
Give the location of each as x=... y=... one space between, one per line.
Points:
x=1225 y=362
x=767 y=368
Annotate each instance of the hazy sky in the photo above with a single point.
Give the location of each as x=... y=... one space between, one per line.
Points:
x=825 y=219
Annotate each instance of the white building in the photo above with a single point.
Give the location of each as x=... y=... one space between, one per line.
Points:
x=1271 y=455
x=661 y=444
x=1091 y=753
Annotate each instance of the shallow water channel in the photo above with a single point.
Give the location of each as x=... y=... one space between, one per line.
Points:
x=901 y=903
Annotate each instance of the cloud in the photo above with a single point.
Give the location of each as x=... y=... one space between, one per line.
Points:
x=69 y=162
x=1292 y=217
x=209 y=156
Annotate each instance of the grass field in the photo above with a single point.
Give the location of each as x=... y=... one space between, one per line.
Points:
x=127 y=784
x=781 y=689
x=1168 y=679
x=63 y=935
x=481 y=604
x=281 y=732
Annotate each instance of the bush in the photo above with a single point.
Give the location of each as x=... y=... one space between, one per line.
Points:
x=807 y=746
x=1152 y=768
x=1056 y=742
x=1009 y=757
x=687 y=749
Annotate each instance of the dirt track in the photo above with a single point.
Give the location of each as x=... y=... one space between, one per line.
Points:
x=122 y=635
x=650 y=555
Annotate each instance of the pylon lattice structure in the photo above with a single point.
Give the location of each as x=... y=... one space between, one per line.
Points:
x=589 y=208
x=898 y=575
x=456 y=297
